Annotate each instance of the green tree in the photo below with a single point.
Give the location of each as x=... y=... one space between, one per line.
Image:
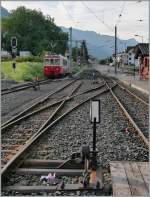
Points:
x=34 y=32
x=84 y=52
x=75 y=53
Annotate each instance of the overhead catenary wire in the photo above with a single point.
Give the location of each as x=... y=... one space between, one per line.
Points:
x=92 y=12
x=70 y=16
x=101 y=19
x=95 y=15
x=121 y=12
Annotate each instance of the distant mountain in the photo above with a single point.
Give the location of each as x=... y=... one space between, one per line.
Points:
x=4 y=12
x=99 y=46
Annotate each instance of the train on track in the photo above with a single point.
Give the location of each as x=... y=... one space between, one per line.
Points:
x=56 y=65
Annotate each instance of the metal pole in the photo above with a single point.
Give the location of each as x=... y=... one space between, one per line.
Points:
x=70 y=48
x=76 y=51
x=94 y=135
x=134 y=70
x=115 y=49
x=142 y=39
x=94 y=142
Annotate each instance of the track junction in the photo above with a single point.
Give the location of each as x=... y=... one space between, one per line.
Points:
x=44 y=137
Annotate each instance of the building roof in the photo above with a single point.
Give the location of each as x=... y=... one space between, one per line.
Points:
x=142 y=48
x=129 y=48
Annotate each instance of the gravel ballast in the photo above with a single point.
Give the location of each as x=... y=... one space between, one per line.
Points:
x=116 y=139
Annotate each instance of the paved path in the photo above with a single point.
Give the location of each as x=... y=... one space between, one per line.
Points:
x=135 y=82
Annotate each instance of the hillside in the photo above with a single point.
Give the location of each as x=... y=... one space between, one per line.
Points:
x=99 y=46
x=4 y=12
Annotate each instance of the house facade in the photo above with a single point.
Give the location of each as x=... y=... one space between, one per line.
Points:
x=141 y=50
x=134 y=55
x=130 y=56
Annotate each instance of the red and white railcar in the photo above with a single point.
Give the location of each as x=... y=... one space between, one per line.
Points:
x=56 y=65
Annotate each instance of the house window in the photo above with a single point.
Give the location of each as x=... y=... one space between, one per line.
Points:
x=129 y=53
x=130 y=58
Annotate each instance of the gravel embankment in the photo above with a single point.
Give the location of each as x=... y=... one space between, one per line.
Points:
x=16 y=102
x=138 y=111
x=111 y=135
x=70 y=133
x=7 y=83
x=143 y=96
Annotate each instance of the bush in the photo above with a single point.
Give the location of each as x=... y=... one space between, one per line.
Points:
x=29 y=59
x=77 y=68
x=37 y=70
x=103 y=61
x=6 y=58
x=28 y=77
x=25 y=71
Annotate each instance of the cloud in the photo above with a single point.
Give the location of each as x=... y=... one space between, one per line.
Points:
x=77 y=15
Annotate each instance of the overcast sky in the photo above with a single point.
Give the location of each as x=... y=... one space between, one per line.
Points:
x=99 y=16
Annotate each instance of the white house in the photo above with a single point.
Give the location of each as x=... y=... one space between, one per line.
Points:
x=122 y=58
x=25 y=53
x=130 y=56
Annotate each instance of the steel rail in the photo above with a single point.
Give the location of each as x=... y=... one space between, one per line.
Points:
x=28 y=85
x=43 y=108
x=17 y=90
x=36 y=136
x=51 y=116
x=39 y=171
x=58 y=108
x=33 y=189
x=38 y=102
x=137 y=97
x=57 y=164
x=24 y=84
x=139 y=132
x=22 y=87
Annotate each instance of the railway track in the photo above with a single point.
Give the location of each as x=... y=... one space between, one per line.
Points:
x=37 y=103
x=21 y=129
x=27 y=85
x=15 y=103
x=61 y=114
x=136 y=110
x=25 y=128
x=21 y=87
x=60 y=136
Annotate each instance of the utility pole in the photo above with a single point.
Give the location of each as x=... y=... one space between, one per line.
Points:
x=76 y=50
x=70 y=47
x=115 y=49
x=83 y=52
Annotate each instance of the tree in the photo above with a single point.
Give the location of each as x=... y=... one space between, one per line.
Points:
x=75 y=53
x=33 y=30
x=84 y=52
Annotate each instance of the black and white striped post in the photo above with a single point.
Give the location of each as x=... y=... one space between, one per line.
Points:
x=95 y=118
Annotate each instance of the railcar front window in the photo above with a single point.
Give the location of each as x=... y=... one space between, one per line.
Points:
x=46 y=61
x=52 y=61
x=57 y=62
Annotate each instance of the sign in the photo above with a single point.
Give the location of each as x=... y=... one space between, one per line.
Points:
x=14 y=50
x=95 y=111
x=13 y=42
